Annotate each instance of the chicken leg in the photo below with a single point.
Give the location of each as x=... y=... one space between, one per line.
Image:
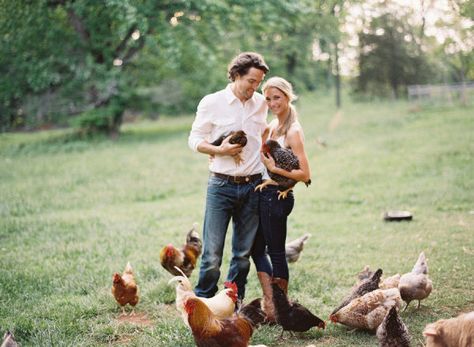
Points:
x=264 y=184
x=283 y=194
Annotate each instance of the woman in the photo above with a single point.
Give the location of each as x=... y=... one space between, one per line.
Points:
x=273 y=211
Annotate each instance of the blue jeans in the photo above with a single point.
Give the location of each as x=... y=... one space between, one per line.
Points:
x=226 y=200
x=271 y=233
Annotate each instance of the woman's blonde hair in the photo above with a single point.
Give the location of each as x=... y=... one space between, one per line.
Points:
x=286 y=88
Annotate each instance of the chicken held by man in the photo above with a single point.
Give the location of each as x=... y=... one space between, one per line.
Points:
x=454 y=332
x=392 y=332
x=236 y=137
x=125 y=288
x=222 y=305
x=363 y=287
x=184 y=258
x=209 y=331
x=293 y=316
x=294 y=248
x=416 y=285
x=369 y=310
x=284 y=159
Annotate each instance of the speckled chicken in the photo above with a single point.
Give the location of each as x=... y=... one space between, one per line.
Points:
x=385 y=283
x=293 y=316
x=284 y=159
x=416 y=285
x=392 y=332
x=237 y=137
x=368 y=311
x=363 y=287
x=294 y=248
x=184 y=258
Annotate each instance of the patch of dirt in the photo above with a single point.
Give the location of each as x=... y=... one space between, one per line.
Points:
x=137 y=318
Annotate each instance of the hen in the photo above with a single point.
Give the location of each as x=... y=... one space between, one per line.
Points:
x=184 y=258
x=385 y=283
x=237 y=137
x=294 y=248
x=368 y=311
x=416 y=285
x=284 y=159
x=9 y=340
x=454 y=332
x=222 y=304
x=392 y=332
x=293 y=316
x=363 y=287
x=209 y=331
x=125 y=289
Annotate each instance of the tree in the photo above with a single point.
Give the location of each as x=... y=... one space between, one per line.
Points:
x=390 y=58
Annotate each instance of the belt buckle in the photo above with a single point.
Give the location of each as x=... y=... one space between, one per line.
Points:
x=236 y=179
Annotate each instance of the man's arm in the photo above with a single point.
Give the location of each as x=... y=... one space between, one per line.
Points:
x=225 y=148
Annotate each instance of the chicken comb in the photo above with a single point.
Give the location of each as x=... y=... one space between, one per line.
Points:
x=232 y=286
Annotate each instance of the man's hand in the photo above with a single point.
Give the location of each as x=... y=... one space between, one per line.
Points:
x=226 y=148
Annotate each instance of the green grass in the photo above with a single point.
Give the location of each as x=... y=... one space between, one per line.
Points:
x=74 y=211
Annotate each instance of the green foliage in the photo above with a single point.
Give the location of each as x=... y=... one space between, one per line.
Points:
x=390 y=58
x=73 y=211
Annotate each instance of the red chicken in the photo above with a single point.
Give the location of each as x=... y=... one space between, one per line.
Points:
x=125 y=289
x=184 y=258
x=208 y=331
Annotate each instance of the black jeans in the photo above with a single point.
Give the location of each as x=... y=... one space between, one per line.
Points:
x=271 y=233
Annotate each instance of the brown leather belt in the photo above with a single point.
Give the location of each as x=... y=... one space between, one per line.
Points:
x=238 y=179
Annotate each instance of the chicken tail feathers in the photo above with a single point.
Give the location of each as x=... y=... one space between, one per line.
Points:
x=128 y=268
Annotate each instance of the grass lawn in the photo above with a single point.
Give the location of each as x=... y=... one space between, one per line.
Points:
x=72 y=212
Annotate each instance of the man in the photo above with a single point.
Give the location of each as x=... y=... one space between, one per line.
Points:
x=230 y=192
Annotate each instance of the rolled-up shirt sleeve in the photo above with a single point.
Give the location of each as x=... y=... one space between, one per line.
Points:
x=202 y=125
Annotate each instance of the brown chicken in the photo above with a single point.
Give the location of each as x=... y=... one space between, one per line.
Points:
x=208 y=331
x=184 y=258
x=9 y=340
x=385 y=283
x=368 y=311
x=392 y=332
x=222 y=304
x=125 y=289
x=237 y=137
x=293 y=316
x=454 y=332
x=284 y=159
x=363 y=287
x=416 y=285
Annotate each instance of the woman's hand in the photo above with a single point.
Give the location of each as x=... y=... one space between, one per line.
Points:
x=268 y=161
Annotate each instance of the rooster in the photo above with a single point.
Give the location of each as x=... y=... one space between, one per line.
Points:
x=363 y=287
x=184 y=258
x=293 y=316
x=237 y=137
x=368 y=311
x=222 y=304
x=416 y=285
x=294 y=248
x=125 y=289
x=9 y=340
x=284 y=159
x=392 y=332
x=209 y=331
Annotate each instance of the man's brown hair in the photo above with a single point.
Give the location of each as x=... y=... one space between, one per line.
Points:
x=242 y=63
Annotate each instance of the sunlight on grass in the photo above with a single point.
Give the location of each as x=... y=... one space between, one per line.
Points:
x=73 y=211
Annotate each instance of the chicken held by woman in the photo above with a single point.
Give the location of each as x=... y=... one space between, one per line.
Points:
x=285 y=159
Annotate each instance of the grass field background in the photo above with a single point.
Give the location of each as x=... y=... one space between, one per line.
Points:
x=73 y=211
